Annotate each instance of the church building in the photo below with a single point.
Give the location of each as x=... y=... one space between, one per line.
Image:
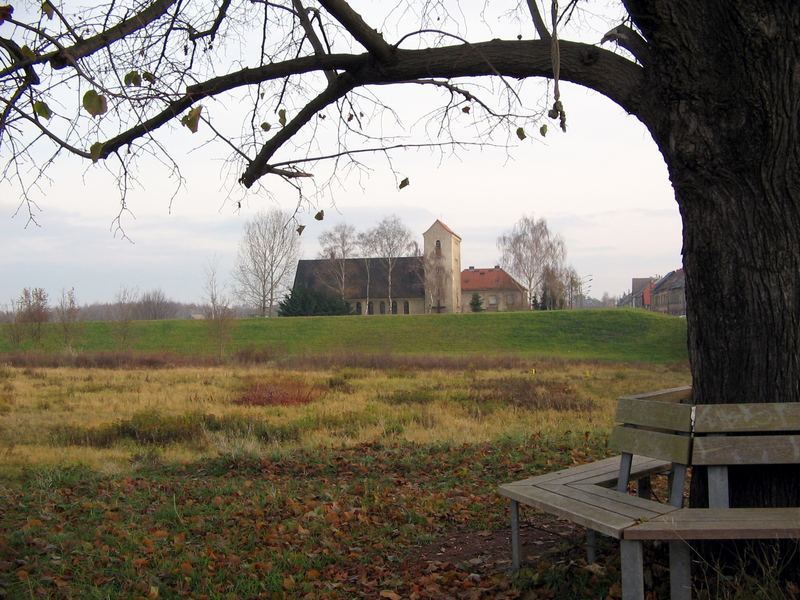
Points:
x=430 y=283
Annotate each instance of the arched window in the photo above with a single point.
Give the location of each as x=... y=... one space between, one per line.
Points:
x=383 y=307
x=438 y=248
x=405 y=307
x=358 y=308
x=369 y=308
x=394 y=307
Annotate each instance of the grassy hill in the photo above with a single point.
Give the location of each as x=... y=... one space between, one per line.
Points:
x=614 y=335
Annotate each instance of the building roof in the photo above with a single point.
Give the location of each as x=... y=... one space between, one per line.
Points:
x=638 y=284
x=443 y=226
x=477 y=280
x=321 y=275
x=671 y=281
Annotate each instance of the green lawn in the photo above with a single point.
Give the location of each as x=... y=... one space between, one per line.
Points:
x=614 y=335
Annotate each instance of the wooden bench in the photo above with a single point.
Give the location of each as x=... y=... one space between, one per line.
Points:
x=661 y=432
x=653 y=436
x=726 y=435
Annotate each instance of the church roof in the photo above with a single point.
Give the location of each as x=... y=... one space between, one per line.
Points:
x=476 y=280
x=443 y=226
x=321 y=274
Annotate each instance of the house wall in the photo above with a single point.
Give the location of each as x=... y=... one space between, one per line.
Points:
x=416 y=306
x=671 y=301
x=506 y=300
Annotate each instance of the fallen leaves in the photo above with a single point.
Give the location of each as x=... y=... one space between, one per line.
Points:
x=339 y=523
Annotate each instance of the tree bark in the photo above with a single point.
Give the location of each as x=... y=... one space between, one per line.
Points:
x=725 y=112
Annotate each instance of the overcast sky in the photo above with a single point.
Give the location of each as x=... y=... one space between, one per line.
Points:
x=603 y=186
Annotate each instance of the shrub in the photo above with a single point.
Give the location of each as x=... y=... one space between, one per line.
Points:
x=306 y=302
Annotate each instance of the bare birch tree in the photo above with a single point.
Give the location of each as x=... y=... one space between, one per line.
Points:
x=124 y=312
x=268 y=254
x=367 y=246
x=338 y=244
x=67 y=313
x=218 y=312
x=528 y=250
x=392 y=239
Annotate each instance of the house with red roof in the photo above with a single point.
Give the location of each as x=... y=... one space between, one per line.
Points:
x=498 y=290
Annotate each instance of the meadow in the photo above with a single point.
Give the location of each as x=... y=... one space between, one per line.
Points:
x=314 y=474
x=607 y=335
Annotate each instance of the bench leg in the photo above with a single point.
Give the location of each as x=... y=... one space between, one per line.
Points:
x=718 y=487
x=676 y=485
x=680 y=571
x=625 y=463
x=591 y=546
x=515 y=550
x=632 y=570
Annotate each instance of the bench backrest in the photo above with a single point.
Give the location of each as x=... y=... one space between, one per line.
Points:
x=746 y=434
x=656 y=425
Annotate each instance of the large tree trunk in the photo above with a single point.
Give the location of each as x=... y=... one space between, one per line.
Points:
x=726 y=116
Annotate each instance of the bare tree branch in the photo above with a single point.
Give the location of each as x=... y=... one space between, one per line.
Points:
x=538 y=21
x=212 y=31
x=363 y=33
x=91 y=45
x=629 y=39
x=258 y=167
x=319 y=50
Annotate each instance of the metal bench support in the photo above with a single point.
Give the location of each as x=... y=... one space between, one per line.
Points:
x=632 y=570
x=515 y=549
x=591 y=546
x=680 y=571
x=718 y=486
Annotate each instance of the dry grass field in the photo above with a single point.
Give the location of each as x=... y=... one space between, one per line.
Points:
x=304 y=479
x=108 y=419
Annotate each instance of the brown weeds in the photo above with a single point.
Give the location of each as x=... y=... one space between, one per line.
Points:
x=532 y=393
x=283 y=391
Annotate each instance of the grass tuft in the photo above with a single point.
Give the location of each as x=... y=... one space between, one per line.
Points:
x=530 y=393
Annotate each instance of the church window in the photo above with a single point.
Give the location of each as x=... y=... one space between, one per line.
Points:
x=492 y=300
x=358 y=308
x=438 y=248
x=394 y=307
x=406 y=307
x=369 y=309
x=383 y=307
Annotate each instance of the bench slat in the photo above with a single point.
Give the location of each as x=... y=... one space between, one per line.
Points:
x=650 y=505
x=720 y=524
x=657 y=414
x=616 y=505
x=604 y=521
x=605 y=470
x=677 y=394
x=656 y=467
x=655 y=444
x=746 y=450
x=722 y=418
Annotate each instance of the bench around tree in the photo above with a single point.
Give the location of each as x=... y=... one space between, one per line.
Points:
x=661 y=432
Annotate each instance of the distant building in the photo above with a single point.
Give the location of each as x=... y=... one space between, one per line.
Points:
x=641 y=294
x=366 y=283
x=669 y=294
x=498 y=290
x=420 y=284
x=430 y=283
